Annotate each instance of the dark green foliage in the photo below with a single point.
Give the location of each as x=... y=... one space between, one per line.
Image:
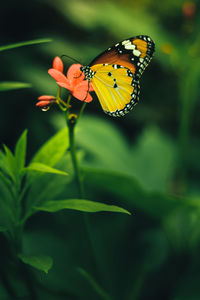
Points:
x=146 y=163
x=22 y=194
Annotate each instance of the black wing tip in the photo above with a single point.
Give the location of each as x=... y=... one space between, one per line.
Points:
x=123 y=112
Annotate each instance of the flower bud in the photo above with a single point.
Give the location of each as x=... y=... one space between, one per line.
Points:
x=46 y=97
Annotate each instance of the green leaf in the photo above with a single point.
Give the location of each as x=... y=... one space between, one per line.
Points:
x=28 y=43
x=129 y=192
x=20 y=151
x=55 y=185
x=40 y=262
x=183 y=227
x=95 y=136
x=145 y=161
x=4 y=167
x=53 y=150
x=148 y=165
x=5 y=178
x=36 y=166
x=7 y=209
x=9 y=85
x=81 y=205
x=11 y=162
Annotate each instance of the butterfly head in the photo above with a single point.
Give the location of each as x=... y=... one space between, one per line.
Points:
x=89 y=74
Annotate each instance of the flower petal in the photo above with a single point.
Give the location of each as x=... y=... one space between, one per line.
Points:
x=81 y=91
x=58 y=76
x=58 y=64
x=91 y=89
x=65 y=85
x=46 y=97
x=88 y=98
x=43 y=103
x=74 y=71
x=75 y=75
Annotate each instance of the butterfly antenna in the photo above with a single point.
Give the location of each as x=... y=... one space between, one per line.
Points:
x=87 y=91
x=64 y=55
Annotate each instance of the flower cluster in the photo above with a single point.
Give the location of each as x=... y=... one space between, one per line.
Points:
x=74 y=82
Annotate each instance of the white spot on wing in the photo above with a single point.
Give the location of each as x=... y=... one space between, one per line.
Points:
x=125 y=42
x=129 y=46
x=136 y=52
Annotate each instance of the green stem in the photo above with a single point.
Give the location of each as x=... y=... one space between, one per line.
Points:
x=81 y=110
x=71 y=122
x=97 y=288
x=16 y=234
x=79 y=182
x=77 y=173
x=62 y=104
x=68 y=100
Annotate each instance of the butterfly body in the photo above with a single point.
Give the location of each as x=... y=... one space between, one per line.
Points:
x=115 y=74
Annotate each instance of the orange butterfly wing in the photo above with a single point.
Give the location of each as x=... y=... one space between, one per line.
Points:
x=115 y=87
x=117 y=71
x=134 y=53
x=112 y=57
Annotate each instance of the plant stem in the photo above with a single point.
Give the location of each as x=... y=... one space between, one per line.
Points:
x=74 y=158
x=71 y=122
x=97 y=288
x=82 y=109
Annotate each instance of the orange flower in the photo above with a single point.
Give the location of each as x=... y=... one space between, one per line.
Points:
x=58 y=64
x=45 y=102
x=74 y=81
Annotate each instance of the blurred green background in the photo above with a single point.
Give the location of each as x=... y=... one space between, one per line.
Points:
x=147 y=162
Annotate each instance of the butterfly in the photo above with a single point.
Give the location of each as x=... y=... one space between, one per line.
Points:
x=115 y=74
